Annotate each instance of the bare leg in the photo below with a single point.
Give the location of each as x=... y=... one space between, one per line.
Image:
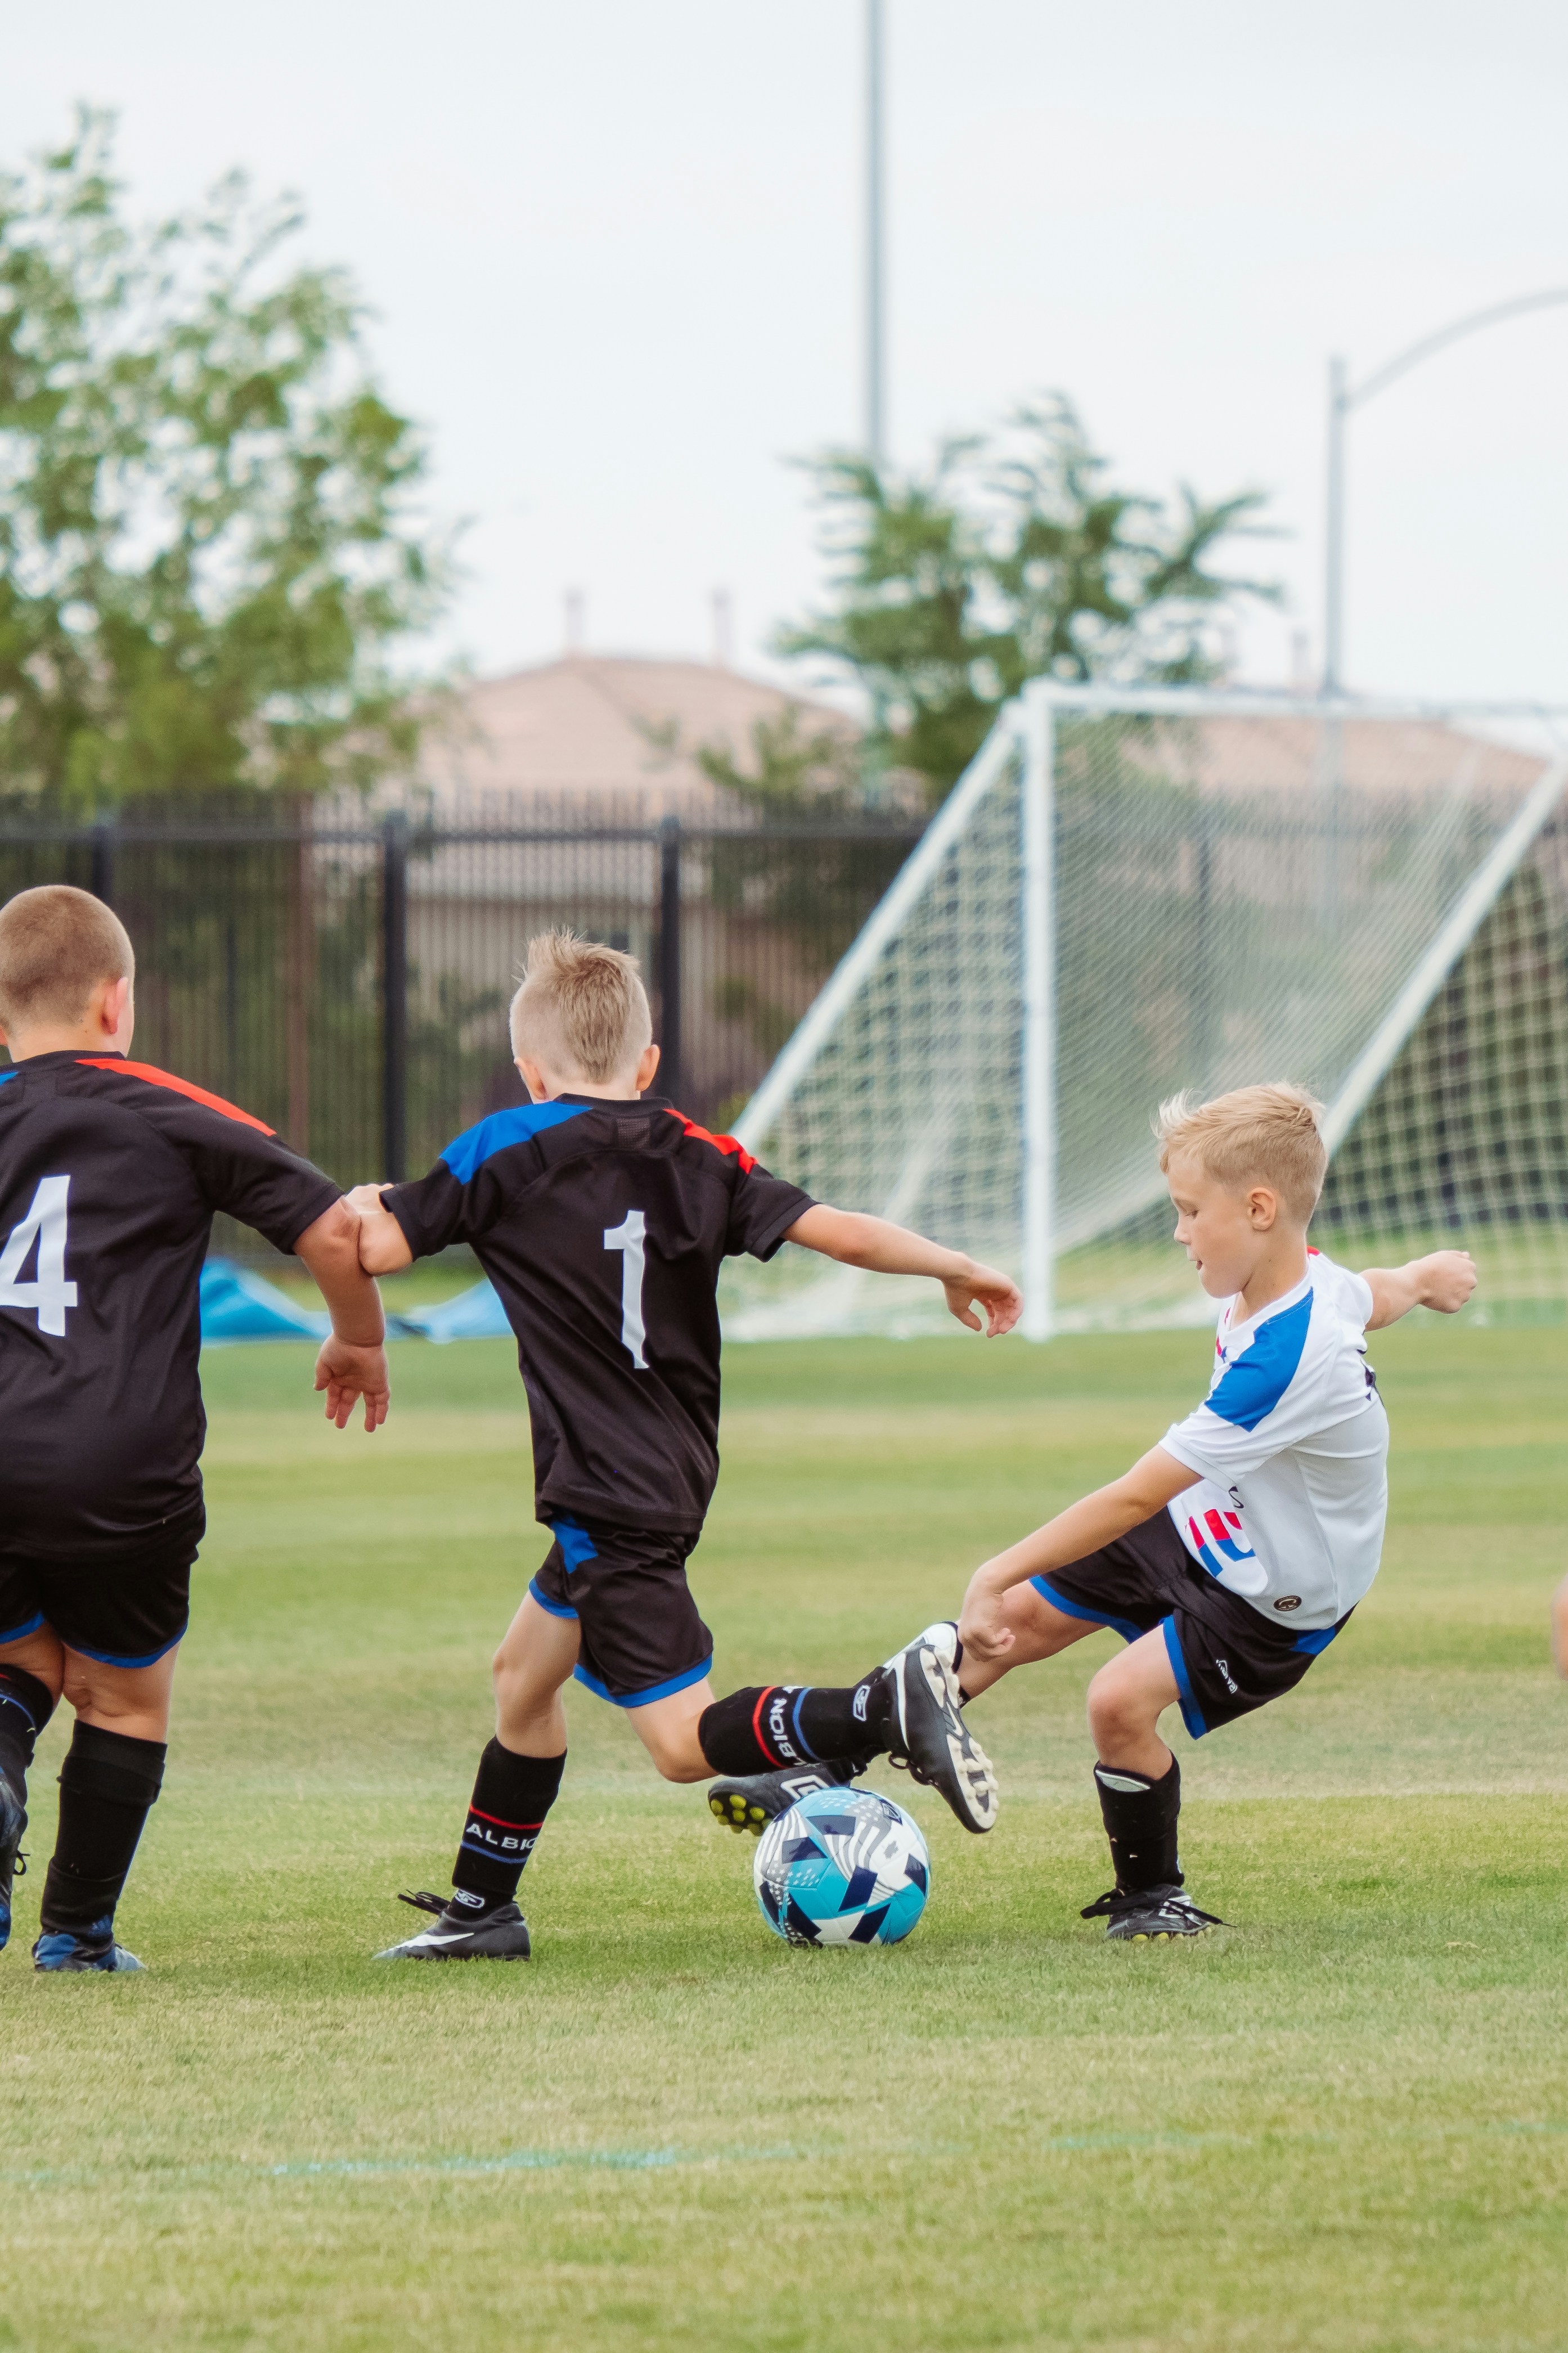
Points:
x=1039 y=1631
x=536 y=1657
x=668 y=1730
x=40 y=1653
x=1126 y=1700
x=134 y=1701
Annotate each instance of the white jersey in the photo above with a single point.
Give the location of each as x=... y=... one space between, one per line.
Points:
x=1291 y=1449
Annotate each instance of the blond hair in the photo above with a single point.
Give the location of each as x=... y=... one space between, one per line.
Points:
x=56 y=946
x=1253 y=1135
x=582 y=1011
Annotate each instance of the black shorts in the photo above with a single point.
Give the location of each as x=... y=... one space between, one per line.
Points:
x=1226 y=1659
x=127 y=1612
x=641 y=1636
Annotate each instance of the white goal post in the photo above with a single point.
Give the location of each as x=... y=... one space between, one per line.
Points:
x=1134 y=891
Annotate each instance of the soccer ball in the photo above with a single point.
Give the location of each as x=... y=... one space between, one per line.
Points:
x=842 y=1867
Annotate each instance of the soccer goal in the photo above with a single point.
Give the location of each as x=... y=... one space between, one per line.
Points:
x=1133 y=891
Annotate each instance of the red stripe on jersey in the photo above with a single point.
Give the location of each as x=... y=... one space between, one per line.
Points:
x=721 y=1143
x=155 y=1078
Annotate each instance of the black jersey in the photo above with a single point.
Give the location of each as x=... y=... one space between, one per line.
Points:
x=110 y=1173
x=602 y=1227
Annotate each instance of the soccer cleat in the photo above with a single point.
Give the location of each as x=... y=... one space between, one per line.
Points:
x=60 y=1952
x=750 y=1801
x=929 y=1737
x=1150 y=1915
x=944 y=1639
x=497 y=1935
x=12 y=1822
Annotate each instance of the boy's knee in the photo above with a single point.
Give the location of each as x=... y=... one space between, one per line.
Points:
x=1112 y=1707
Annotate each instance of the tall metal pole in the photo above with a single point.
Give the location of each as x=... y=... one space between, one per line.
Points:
x=1343 y=398
x=876 y=275
x=1334 y=535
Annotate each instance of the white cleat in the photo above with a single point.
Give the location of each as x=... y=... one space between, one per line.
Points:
x=931 y=1737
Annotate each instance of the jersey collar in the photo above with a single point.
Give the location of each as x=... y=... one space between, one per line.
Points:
x=615 y=1102
x=1291 y=1298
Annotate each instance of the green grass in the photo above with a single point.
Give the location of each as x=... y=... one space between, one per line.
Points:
x=1340 y=2123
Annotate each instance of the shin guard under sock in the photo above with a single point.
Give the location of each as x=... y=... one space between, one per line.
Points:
x=25 y=1706
x=774 y=1724
x=107 y=1784
x=1140 y=1817
x=512 y=1796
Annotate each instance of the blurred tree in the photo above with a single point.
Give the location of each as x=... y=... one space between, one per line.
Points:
x=207 y=547
x=1011 y=560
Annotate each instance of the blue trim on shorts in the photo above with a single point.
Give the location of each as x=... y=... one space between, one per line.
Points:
x=18 y=1633
x=1318 y=1639
x=1192 y=1714
x=556 y=1608
x=656 y=1690
x=1122 y=1626
x=578 y=1546
x=115 y=1658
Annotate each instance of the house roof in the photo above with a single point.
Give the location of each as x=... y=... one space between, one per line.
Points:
x=597 y=730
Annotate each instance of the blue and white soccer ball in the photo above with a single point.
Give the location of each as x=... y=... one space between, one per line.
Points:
x=842 y=1867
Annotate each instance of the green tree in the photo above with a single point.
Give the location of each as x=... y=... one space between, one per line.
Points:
x=209 y=551
x=1012 y=558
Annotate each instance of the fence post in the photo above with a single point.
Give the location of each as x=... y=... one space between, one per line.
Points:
x=670 y=1081
x=101 y=880
x=394 y=998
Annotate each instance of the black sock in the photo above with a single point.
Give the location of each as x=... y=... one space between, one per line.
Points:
x=107 y=1784
x=771 y=1725
x=1140 y=1818
x=512 y=1796
x=25 y=1706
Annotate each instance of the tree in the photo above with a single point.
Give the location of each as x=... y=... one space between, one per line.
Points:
x=1011 y=559
x=209 y=552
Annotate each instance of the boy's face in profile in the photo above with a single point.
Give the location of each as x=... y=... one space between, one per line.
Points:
x=1224 y=1229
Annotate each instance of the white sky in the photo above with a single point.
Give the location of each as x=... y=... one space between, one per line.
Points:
x=615 y=255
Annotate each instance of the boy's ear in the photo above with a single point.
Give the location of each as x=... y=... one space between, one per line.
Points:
x=1262 y=1208
x=647 y=1069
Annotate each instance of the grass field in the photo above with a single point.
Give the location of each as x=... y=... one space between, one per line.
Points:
x=1340 y=2124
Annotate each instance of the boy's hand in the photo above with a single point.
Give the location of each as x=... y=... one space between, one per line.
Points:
x=1449 y=1277
x=982 y=1626
x=997 y=1294
x=349 y=1372
x=365 y=1200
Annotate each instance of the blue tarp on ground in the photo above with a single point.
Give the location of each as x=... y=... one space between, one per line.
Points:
x=239 y=1305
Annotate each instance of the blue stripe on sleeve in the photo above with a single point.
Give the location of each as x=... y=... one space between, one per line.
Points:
x=1249 y=1389
x=8 y=1074
x=471 y=1150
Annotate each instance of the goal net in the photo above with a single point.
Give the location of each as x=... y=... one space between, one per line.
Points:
x=1131 y=892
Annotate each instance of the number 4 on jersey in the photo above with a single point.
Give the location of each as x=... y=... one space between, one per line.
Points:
x=629 y=1236
x=50 y=1294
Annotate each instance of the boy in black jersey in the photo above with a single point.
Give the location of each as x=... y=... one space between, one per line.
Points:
x=603 y=1215
x=110 y=1173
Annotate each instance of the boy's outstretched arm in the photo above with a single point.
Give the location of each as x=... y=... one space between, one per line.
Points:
x=353 y=1362
x=1444 y=1281
x=1082 y=1528
x=382 y=1244
x=858 y=1240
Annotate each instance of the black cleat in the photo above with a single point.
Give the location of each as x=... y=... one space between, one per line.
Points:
x=455 y=1935
x=928 y=1735
x=750 y=1801
x=12 y=1822
x=1150 y=1915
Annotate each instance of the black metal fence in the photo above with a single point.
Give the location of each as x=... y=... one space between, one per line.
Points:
x=349 y=983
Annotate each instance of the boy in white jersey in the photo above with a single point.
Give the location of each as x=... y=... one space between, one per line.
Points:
x=1234 y=1551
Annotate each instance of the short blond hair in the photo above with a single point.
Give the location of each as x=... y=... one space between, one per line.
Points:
x=581 y=1009
x=56 y=945
x=1253 y=1135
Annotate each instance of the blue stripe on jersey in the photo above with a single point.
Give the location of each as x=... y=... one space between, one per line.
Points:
x=8 y=1074
x=471 y=1150
x=1249 y=1389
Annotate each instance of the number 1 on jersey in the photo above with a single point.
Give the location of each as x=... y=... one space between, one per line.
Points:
x=629 y=1238
x=50 y=1294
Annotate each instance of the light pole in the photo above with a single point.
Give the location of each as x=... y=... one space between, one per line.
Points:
x=875 y=409
x=1343 y=398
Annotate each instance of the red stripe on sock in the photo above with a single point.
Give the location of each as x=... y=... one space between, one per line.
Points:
x=757 y=1724
x=506 y=1826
